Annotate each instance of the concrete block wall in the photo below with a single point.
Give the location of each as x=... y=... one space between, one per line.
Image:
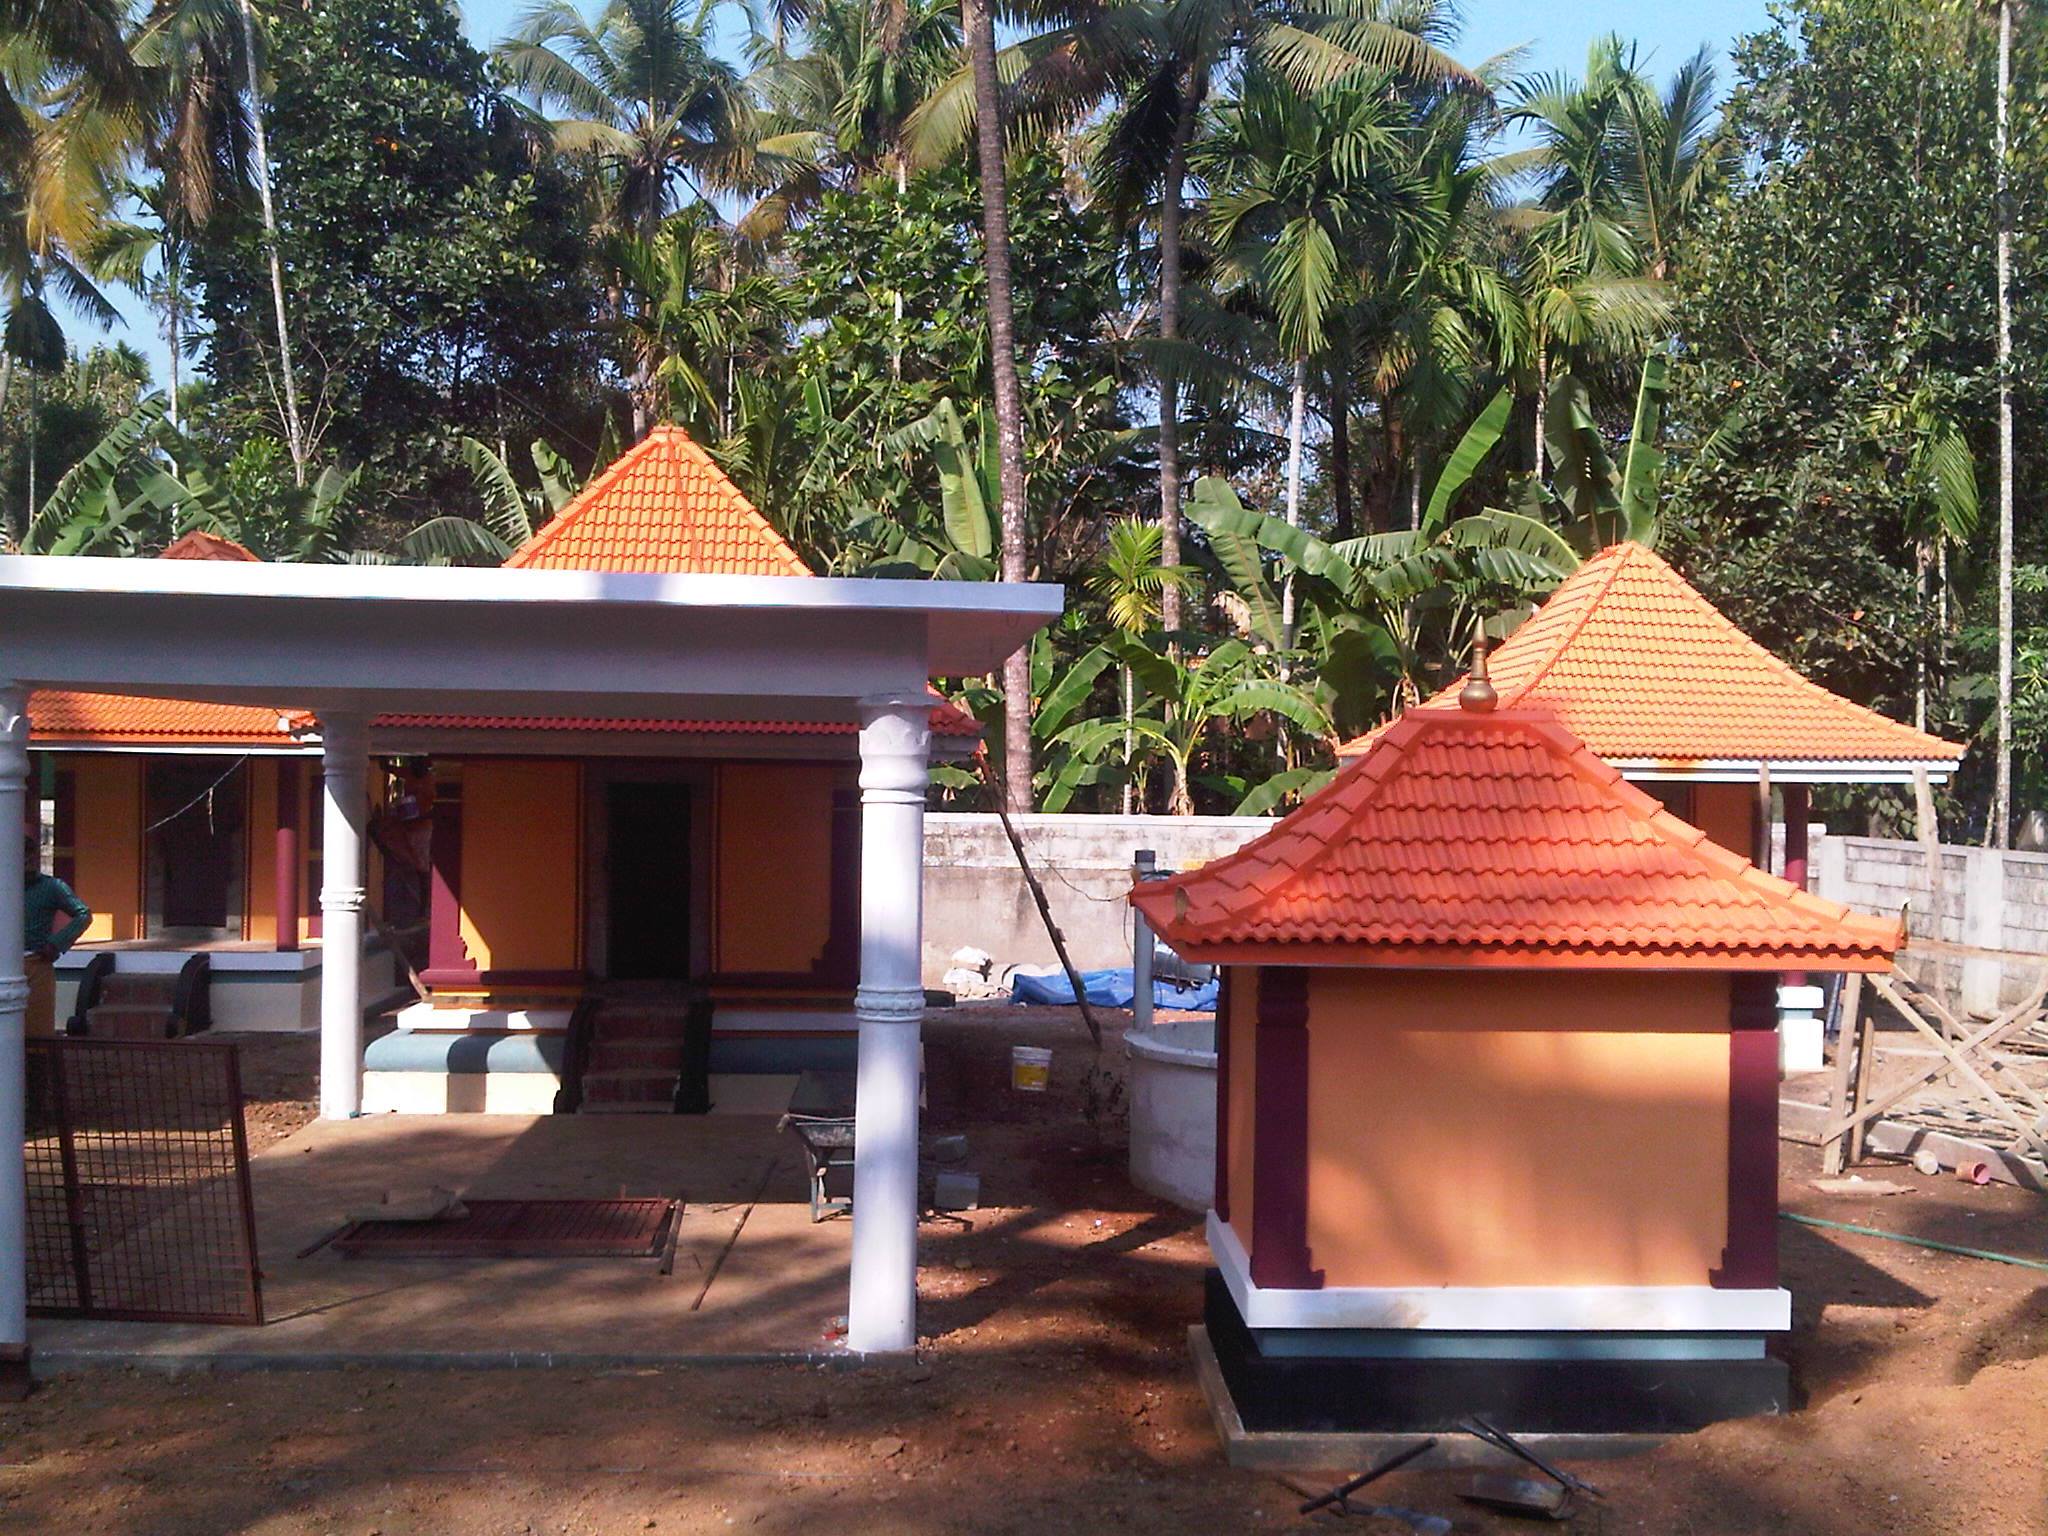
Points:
x=974 y=894
x=1987 y=899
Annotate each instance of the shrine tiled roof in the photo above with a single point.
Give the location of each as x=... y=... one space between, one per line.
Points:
x=1644 y=670
x=662 y=506
x=1467 y=838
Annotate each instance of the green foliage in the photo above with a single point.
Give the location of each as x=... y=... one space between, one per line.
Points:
x=434 y=264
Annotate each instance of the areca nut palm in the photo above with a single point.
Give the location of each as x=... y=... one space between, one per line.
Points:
x=1132 y=582
x=1310 y=194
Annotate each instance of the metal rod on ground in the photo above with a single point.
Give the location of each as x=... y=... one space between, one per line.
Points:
x=1144 y=866
x=1343 y=1491
x=994 y=775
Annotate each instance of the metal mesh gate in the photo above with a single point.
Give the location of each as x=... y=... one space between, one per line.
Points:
x=138 y=1183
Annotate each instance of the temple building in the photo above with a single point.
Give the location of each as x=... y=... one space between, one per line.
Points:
x=1498 y=1084
x=544 y=856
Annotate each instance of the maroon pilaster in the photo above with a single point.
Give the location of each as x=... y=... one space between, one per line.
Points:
x=1798 y=811
x=1221 y=1198
x=1280 y=1257
x=1750 y=1259
x=291 y=807
x=448 y=962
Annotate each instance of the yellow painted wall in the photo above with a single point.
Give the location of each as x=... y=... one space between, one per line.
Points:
x=1727 y=814
x=260 y=922
x=1244 y=1062
x=107 y=842
x=1503 y=1128
x=522 y=865
x=774 y=866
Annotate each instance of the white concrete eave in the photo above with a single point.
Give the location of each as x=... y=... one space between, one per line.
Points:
x=474 y=641
x=1743 y=770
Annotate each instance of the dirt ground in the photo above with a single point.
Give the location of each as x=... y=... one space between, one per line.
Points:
x=1053 y=1392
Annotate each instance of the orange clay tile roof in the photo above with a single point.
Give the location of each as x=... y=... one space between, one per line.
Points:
x=663 y=506
x=200 y=545
x=112 y=719
x=1643 y=668
x=1499 y=839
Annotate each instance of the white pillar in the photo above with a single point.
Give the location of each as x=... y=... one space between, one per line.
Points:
x=344 y=801
x=895 y=738
x=13 y=1020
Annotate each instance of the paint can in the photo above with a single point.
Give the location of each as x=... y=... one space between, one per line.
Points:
x=1030 y=1068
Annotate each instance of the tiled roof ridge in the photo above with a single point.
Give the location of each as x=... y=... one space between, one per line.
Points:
x=1712 y=612
x=665 y=446
x=552 y=530
x=1588 y=606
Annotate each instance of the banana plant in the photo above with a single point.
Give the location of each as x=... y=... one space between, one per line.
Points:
x=1187 y=700
x=966 y=547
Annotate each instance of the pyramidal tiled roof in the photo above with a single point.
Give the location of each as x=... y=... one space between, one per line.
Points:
x=1499 y=839
x=661 y=506
x=1642 y=668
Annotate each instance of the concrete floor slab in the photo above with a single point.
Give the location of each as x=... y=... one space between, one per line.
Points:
x=753 y=1277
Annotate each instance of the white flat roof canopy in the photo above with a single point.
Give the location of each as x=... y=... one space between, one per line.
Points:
x=486 y=641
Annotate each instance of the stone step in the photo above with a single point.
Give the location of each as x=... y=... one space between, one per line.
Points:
x=631 y=1085
x=125 y=1022
x=130 y=989
x=640 y=1023
x=638 y=1107
x=635 y=1054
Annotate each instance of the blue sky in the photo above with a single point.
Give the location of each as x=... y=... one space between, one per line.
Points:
x=1555 y=33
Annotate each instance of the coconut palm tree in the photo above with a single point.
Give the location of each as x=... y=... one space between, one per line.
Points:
x=639 y=88
x=203 y=64
x=1673 y=154
x=153 y=259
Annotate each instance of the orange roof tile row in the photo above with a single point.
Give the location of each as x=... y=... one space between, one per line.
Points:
x=1641 y=667
x=58 y=715
x=1499 y=838
x=662 y=506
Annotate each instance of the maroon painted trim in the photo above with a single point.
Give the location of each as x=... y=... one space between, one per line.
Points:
x=448 y=960
x=291 y=809
x=469 y=976
x=1798 y=812
x=1750 y=1259
x=315 y=837
x=1280 y=1256
x=1221 y=1197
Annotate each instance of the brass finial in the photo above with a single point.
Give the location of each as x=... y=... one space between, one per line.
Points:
x=1478 y=694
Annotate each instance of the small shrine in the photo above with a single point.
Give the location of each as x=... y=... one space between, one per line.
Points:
x=1498 y=1083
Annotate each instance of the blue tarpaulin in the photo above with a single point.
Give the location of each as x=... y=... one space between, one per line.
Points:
x=1113 y=989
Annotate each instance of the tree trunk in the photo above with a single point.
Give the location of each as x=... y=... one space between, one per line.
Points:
x=1542 y=399
x=1340 y=450
x=1171 y=187
x=1296 y=423
x=978 y=22
x=174 y=337
x=295 y=435
x=28 y=523
x=2001 y=795
x=1130 y=739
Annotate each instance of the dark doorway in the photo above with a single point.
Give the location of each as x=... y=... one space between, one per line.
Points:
x=197 y=812
x=648 y=879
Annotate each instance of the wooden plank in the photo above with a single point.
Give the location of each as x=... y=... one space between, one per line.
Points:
x=1842 y=1083
x=1963 y=1067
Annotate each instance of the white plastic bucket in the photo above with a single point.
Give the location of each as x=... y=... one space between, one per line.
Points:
x=1030 y=1068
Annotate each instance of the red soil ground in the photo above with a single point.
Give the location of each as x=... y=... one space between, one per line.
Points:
x=1053 y=1392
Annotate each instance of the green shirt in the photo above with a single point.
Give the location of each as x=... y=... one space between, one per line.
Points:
x=42 y=899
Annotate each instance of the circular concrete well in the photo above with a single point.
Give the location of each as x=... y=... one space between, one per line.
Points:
x=1173 y=1111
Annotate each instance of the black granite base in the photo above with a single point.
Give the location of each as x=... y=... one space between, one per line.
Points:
x=1331 y=1394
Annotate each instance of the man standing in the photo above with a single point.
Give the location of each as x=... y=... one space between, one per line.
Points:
x=43 y=898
